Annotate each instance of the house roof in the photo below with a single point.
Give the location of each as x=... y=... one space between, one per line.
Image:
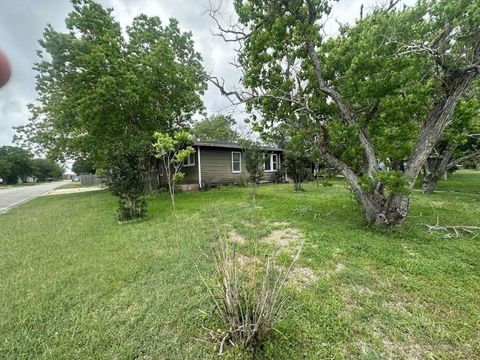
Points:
x=229 y=145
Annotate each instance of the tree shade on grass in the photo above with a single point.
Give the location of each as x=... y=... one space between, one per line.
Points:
x=77 y=285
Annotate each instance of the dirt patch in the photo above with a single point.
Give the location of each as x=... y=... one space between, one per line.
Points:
x=280 y=224
x=406 y=348
x=398 y=350
x=398 y=307
x=302 y=276
x=359 y=289
x=235 y=237
x=284 y=238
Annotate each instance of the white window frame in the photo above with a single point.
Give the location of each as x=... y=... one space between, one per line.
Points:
x=272 y=162
x=270 y=157
x=190 y=160
x=233 y=169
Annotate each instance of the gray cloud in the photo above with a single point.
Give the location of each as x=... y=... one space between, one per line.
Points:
x=22 y=24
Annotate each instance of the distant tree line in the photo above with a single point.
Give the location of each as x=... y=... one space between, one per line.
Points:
x=17 y=164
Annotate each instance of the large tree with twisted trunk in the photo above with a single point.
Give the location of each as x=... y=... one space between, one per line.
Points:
x=386 y=86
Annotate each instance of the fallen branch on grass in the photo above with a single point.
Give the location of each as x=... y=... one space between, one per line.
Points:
x=454 y=231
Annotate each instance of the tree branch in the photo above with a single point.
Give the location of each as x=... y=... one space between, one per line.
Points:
x=456 y=84
x=462 y=159
x=345 y=113
x=244 y=97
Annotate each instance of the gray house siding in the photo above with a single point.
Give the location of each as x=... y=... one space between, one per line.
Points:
x=216 y=167
x=191 y=173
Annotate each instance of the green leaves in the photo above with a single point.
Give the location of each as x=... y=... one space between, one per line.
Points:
x=383 y=66
x=97 y=88
x=15 y=163
x=175 y=148
x=172 y=152
x=215 y=128
x=392 y=183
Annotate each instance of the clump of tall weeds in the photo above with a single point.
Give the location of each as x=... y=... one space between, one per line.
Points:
x=248 y=297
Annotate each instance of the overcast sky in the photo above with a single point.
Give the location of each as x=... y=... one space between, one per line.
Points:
x=22 y=23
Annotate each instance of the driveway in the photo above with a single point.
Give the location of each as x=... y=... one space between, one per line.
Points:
x=14 y=196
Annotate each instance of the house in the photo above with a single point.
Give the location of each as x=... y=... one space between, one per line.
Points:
x=218 y=163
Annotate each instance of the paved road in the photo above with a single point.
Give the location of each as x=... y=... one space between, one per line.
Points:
x=11 y=197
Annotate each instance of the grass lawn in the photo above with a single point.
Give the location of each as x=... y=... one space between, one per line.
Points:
x=71 y=185
x=76 y=285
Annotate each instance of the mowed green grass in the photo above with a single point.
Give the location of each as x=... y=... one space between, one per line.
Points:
x=74 y=284
x=71 y=185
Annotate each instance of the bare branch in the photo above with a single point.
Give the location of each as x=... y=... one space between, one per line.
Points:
x=232 y=33
x=456 y=229
x=220 y=84
x=244 y=97
x=393 y=3
x=421 y=48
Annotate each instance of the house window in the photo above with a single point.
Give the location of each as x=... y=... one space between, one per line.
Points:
x=274 y=162
x=271 y=162
x=268 y=165
x=189 y=160
x=236 y=162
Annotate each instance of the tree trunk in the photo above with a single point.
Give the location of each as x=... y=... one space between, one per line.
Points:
x=171 y=190
x=436 y=121
x=298 y=183
x=381 y=211
x=429 y=183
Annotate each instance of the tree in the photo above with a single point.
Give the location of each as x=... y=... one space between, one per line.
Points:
x=44 y=169
x=5 y=170
x=215 y=128
x=298 y=143
x=15 y=164
x=459 y=143
x=172 y=152
x=254 y=162
x=99 y=86
x=83 y=166
x=385 y=87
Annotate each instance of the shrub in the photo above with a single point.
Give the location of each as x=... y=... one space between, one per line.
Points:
x=278 y=176
x=124 y=176
x=297 y=167
x=248 y=297
x=326 y=183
